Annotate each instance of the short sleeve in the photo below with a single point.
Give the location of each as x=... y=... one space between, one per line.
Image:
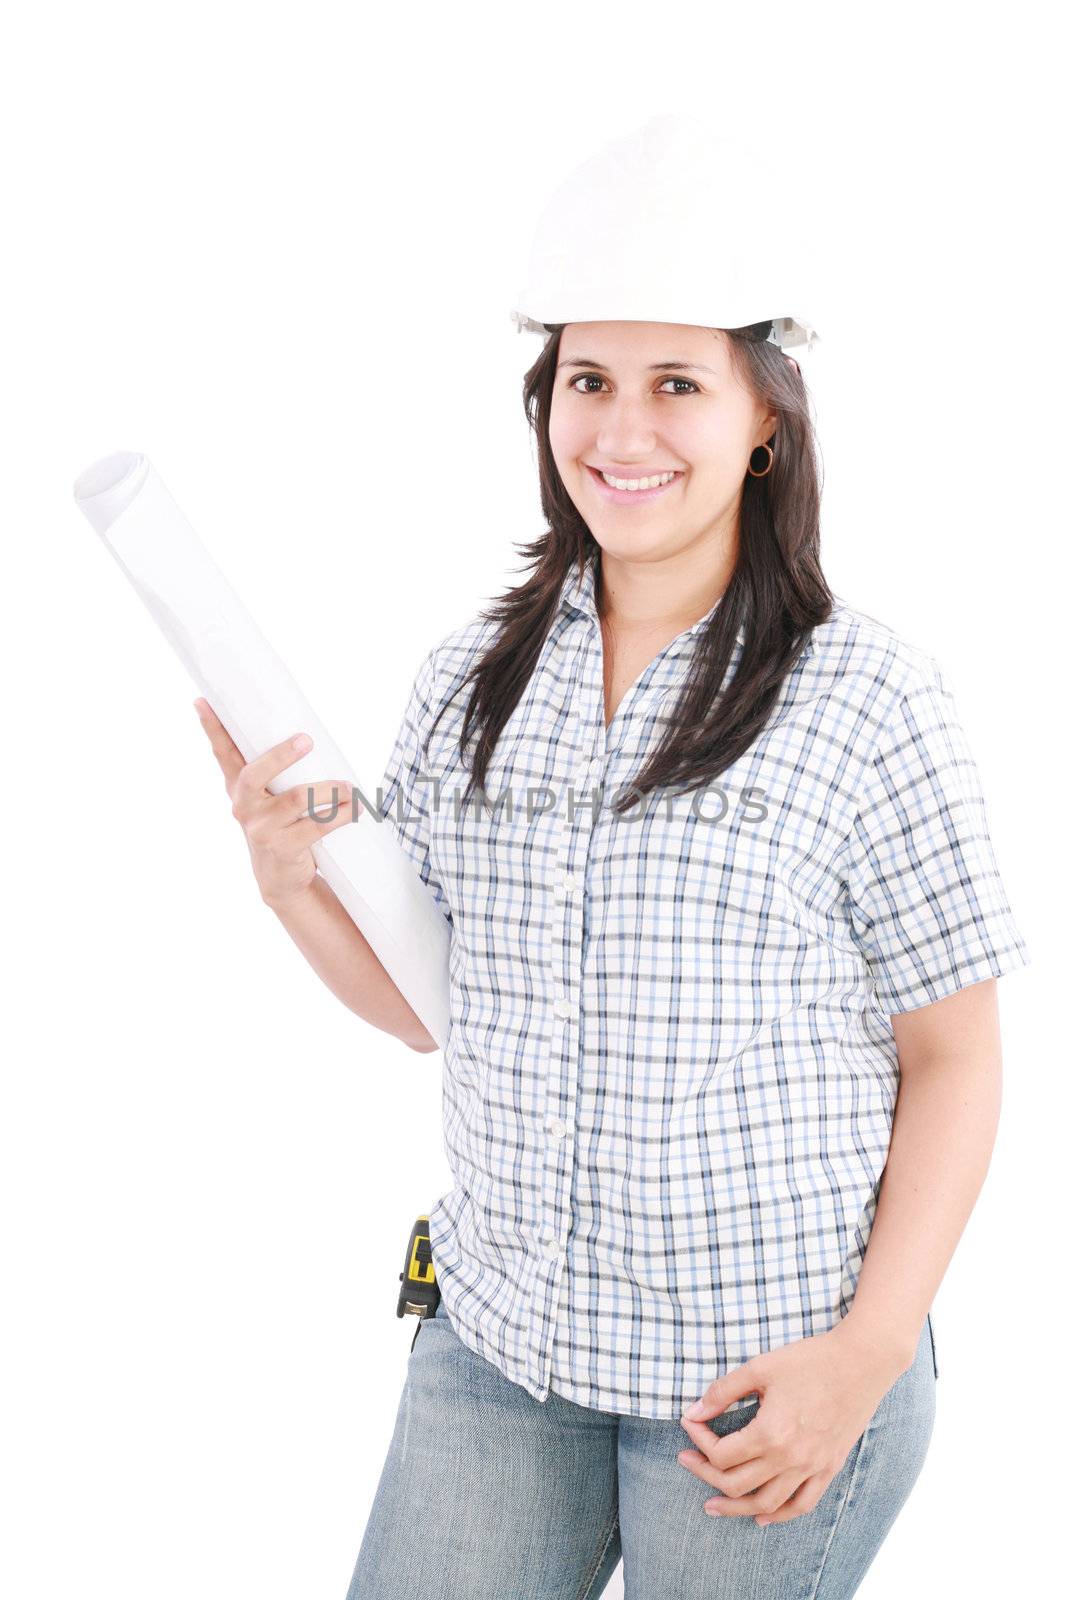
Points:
x=925 y=897
x=407 y=786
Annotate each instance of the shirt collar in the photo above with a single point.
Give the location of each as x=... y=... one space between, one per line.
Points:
x=579 y=594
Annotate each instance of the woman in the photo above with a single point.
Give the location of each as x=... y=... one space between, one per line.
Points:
x=722 y=1079
x=679 y=1042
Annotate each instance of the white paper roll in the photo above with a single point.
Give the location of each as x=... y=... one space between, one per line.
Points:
x=259 y=704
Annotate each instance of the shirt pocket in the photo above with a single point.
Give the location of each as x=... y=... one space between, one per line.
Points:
x=688 y=919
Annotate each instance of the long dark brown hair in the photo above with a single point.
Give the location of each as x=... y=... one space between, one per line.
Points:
x=777 y=589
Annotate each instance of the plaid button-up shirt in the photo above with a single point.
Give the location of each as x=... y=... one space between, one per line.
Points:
x=669 y=1084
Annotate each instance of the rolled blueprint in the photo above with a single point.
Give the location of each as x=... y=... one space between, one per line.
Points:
x=259 y=704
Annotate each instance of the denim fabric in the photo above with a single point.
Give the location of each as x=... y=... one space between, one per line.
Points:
x=490 y=1494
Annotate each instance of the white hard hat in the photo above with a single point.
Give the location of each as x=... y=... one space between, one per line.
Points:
x=671 y=223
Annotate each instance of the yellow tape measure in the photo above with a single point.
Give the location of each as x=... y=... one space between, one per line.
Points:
x=419 y=1291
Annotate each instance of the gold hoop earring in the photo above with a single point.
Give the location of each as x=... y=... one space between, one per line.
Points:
x=770 y=461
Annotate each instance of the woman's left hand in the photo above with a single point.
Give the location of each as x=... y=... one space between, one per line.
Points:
x=816 y=1398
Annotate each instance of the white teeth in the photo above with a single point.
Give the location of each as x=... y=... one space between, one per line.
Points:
x=638 y=483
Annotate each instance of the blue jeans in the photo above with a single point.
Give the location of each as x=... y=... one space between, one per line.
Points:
x=489 y=1494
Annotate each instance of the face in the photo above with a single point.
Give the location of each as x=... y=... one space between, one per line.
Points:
x=644 y=398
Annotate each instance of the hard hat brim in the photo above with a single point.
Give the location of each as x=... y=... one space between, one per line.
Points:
x=786 y=332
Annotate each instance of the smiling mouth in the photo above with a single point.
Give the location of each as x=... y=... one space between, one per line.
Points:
x=623 y=496
x=642 y=477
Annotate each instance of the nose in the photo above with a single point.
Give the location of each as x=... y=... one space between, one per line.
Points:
x=624 y=433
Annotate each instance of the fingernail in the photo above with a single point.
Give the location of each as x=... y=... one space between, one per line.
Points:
x=301 y=742
x=712 y=1509
x=693 y=1411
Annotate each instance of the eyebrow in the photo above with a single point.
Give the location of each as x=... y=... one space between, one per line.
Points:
x=657 y=366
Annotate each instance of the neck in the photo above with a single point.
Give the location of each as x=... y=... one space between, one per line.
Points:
x=674 y=592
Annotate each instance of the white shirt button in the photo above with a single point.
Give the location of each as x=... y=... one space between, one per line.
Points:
x=565 y=1007
x=557 y=1128
x=552 y=1247
x=566 y=884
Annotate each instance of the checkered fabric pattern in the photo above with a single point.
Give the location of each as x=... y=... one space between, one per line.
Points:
x=669 y=1084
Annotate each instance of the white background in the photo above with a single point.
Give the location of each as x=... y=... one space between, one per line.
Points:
x=274 y=249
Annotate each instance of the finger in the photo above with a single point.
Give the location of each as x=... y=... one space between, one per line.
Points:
x=277 y=759
x=737 y=1384
x=315 y=799
x=762 y=1502
x=805 y=1499
x=227 y=754
x=296 y=818
x=275 y=814
x=302 y=834
x=737 y=1481
x=731 y=1449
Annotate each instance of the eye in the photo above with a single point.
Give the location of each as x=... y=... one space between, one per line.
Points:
x=581 y=377
x=596 y=378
